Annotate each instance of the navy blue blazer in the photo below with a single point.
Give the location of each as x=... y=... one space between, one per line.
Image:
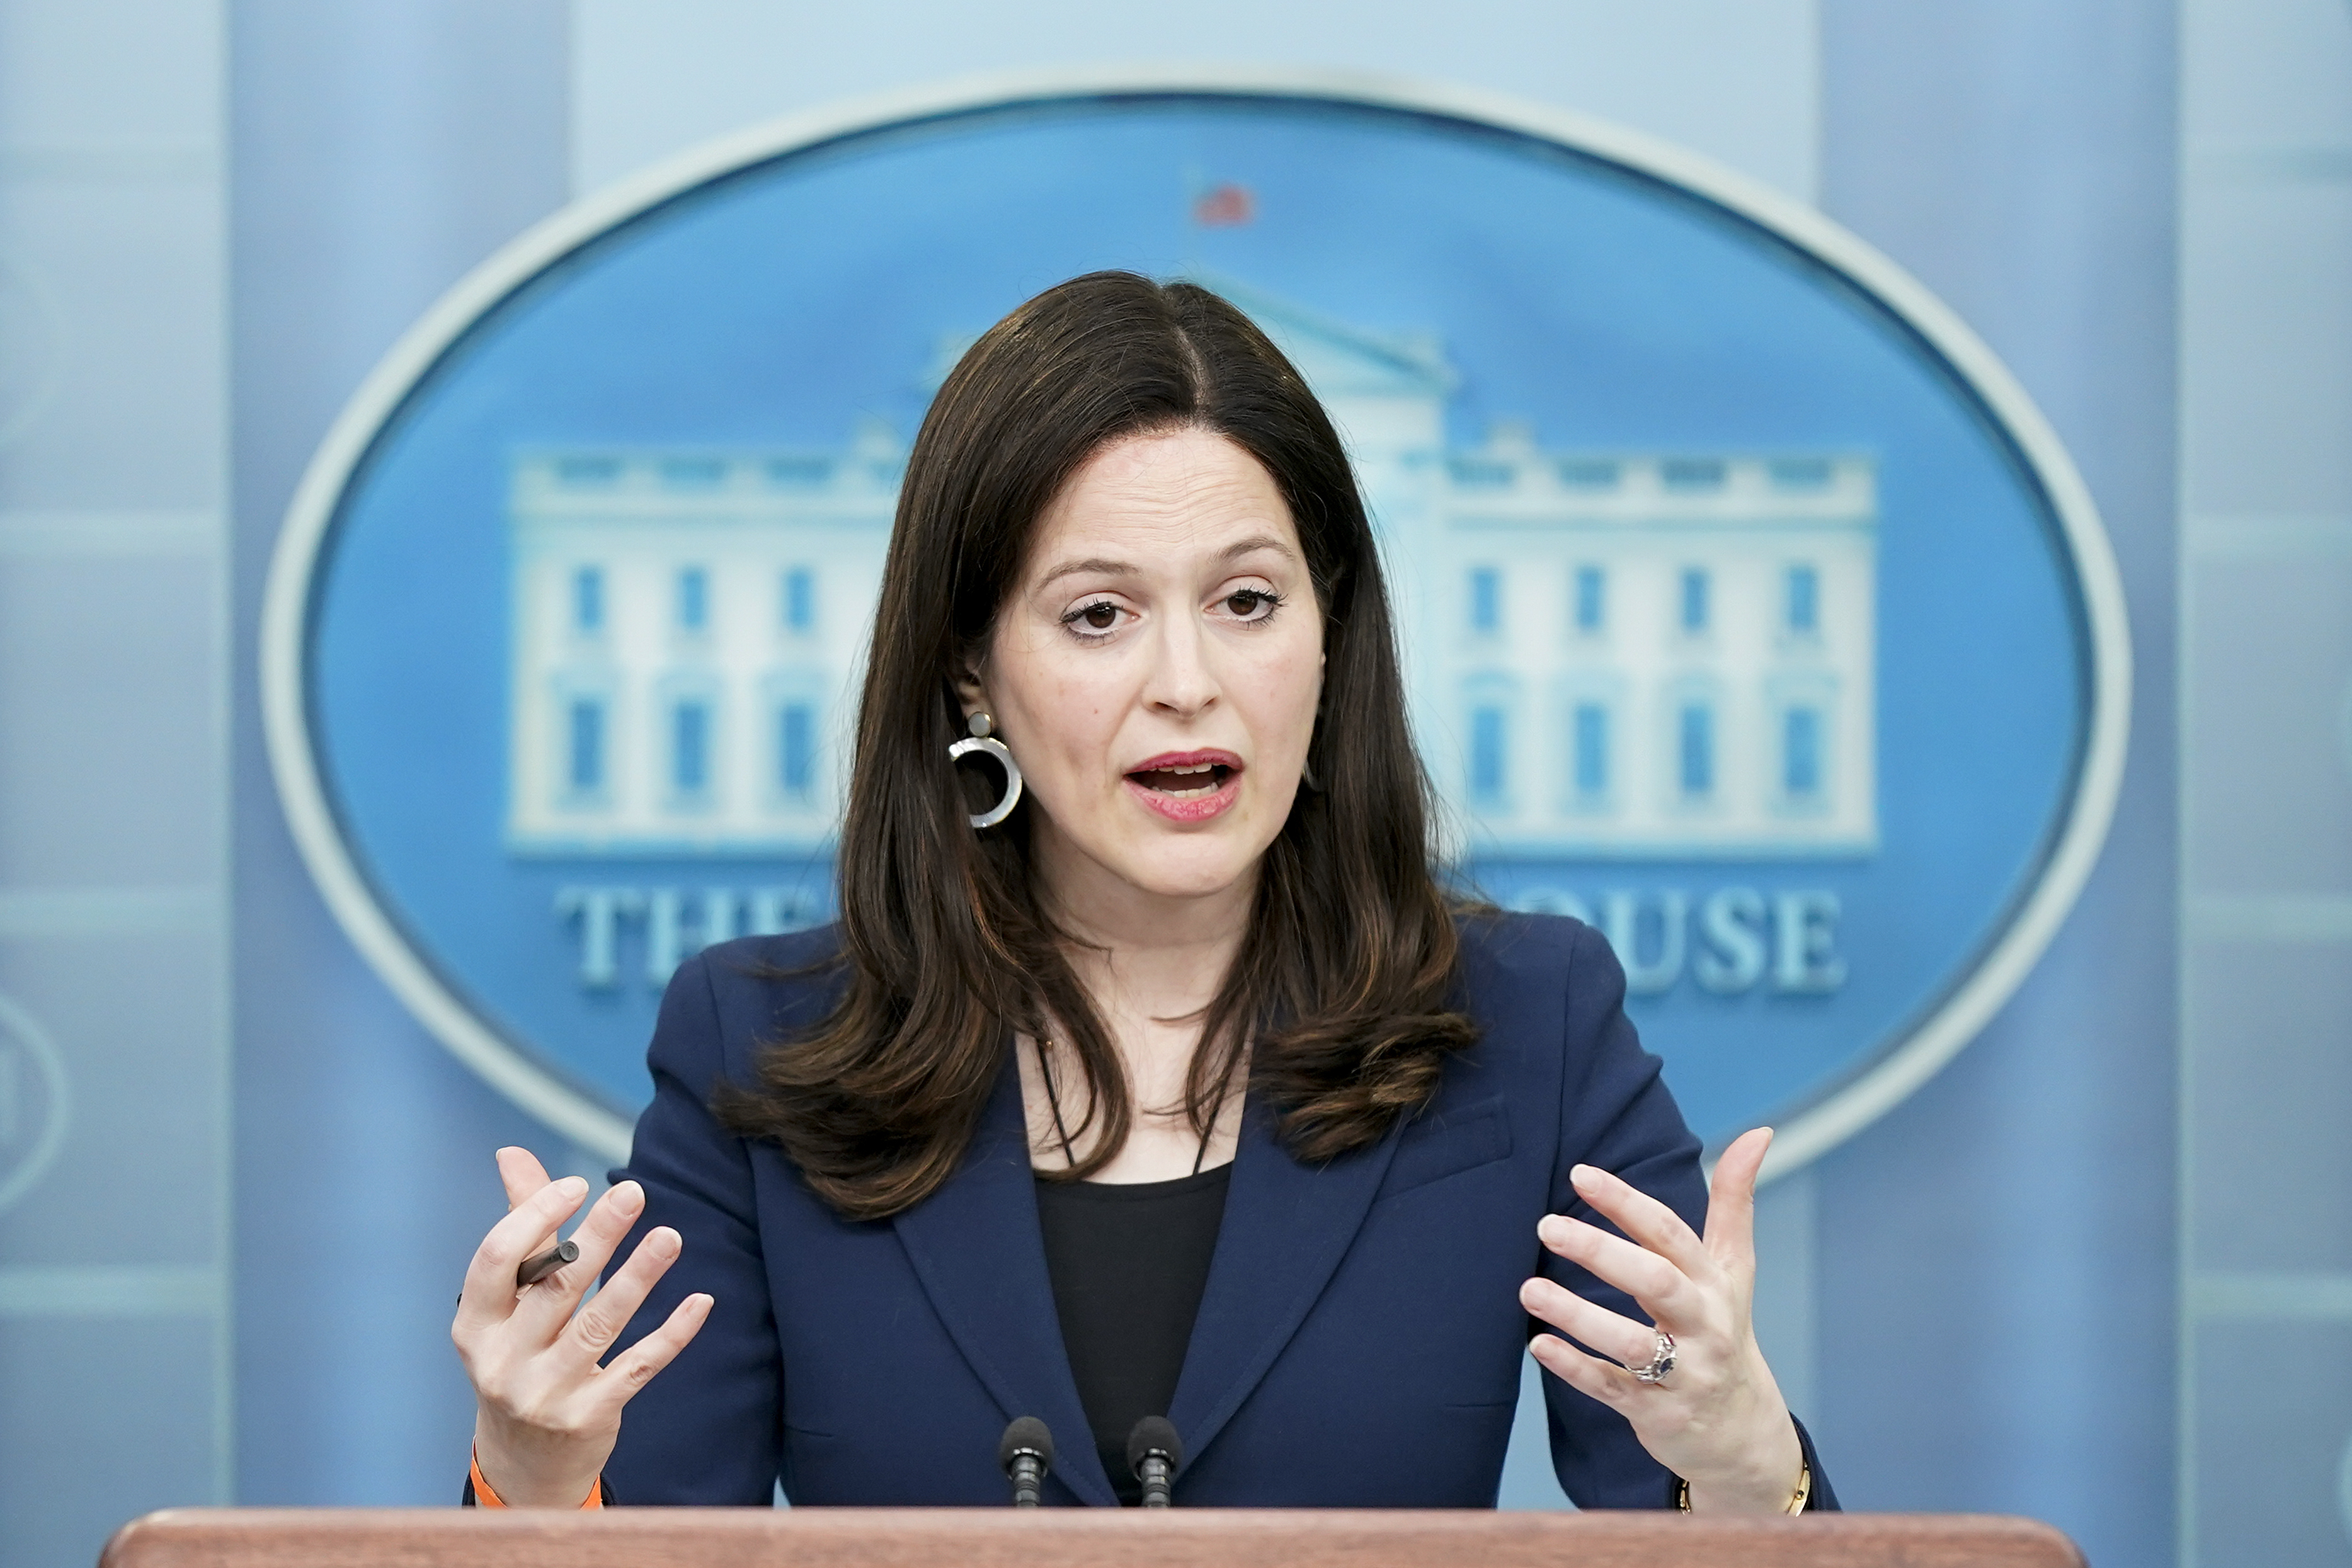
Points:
x=1358 y=1341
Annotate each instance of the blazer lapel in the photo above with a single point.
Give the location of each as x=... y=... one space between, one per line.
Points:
x=976 y=1247
x=1287 y=1227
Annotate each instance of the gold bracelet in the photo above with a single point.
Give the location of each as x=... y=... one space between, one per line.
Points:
x=1804 y=1493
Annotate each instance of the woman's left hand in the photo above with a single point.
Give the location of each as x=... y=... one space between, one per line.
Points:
x=1717 y=1420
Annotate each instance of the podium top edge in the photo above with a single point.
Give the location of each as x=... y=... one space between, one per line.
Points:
x=1075 y=1538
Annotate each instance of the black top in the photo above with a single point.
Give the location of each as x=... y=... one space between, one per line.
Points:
x=1128 y=1263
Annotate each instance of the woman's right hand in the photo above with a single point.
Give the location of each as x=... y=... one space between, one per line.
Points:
x=546 y=1413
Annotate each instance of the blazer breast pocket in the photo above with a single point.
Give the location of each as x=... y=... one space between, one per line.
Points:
x=1438 y=1145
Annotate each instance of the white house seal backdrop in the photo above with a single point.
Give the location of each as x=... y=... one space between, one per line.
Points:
x=1750 y=611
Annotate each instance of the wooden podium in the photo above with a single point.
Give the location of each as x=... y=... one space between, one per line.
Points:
x=1069 y=1538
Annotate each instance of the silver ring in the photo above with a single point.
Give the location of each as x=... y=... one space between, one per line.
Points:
x=1662 y=1361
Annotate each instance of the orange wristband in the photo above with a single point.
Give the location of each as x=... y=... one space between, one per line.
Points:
x=486 y=1498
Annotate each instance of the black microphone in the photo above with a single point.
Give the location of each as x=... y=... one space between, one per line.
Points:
x=1154 y=1452
x=1025 y=1454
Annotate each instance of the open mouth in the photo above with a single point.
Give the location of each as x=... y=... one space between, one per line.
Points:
x=1194 y=782
x=1188 y=787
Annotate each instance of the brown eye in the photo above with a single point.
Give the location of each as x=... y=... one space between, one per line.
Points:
x=1101 y=617
x=1248 y=602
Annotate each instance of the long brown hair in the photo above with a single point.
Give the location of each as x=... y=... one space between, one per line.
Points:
x=1340 y=991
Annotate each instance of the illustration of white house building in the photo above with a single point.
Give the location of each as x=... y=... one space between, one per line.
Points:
x=688 y=628
x=1610 y=653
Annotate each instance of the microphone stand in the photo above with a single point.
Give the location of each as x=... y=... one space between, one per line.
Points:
x=1025 y=1454
x=1154 y=1453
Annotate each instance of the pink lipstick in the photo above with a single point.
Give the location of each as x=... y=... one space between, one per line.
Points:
x=1187 y=786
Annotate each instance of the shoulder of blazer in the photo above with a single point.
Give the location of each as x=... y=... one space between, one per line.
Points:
x=1520 y=969
x=760 y=988
x=797 y=967
x=1545 y=991
x=1514 y=975
x=1500 y=946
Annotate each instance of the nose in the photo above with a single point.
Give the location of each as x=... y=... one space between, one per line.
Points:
x=1181 y=684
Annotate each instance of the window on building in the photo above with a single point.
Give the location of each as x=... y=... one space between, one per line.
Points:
x=1489 y=756
x=1801 y=474
x=584 y=756
x=799 y=470
x=800 y=599
x=1801 y=753
x=1591 y=597
x=1694 y=607
x=1590 y=741
x=693 y=599
x=689 y=747
x=796 y=749
x=1482 y=473
x=588 y=598
x=581 y=471
x=1804 y=596
x=693 y=473
x=1693 y=473
x=1694 y=761
x=1486 y=599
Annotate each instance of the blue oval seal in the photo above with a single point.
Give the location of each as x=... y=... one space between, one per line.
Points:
x=1751 y=610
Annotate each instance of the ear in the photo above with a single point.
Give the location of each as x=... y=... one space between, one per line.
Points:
x=971 y=690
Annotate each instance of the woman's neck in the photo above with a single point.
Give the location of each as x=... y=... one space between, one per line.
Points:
x=1152 y=964
x=1139 y=952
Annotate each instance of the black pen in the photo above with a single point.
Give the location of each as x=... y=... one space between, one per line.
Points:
x=532 y=1270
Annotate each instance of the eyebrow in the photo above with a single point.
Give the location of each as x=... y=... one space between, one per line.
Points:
x=1104 y=567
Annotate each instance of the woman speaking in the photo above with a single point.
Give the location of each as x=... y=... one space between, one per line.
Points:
x=1150 y=1071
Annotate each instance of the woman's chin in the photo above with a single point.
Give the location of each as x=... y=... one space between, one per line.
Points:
x=1174 y=866
x=1154 y=857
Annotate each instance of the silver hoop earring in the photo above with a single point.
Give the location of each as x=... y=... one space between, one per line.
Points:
x=979 y=741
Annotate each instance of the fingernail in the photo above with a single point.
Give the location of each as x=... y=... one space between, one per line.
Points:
x=629 y=1195
x=573 y=1186
x=1551 y=1228
x=1584 y=1178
